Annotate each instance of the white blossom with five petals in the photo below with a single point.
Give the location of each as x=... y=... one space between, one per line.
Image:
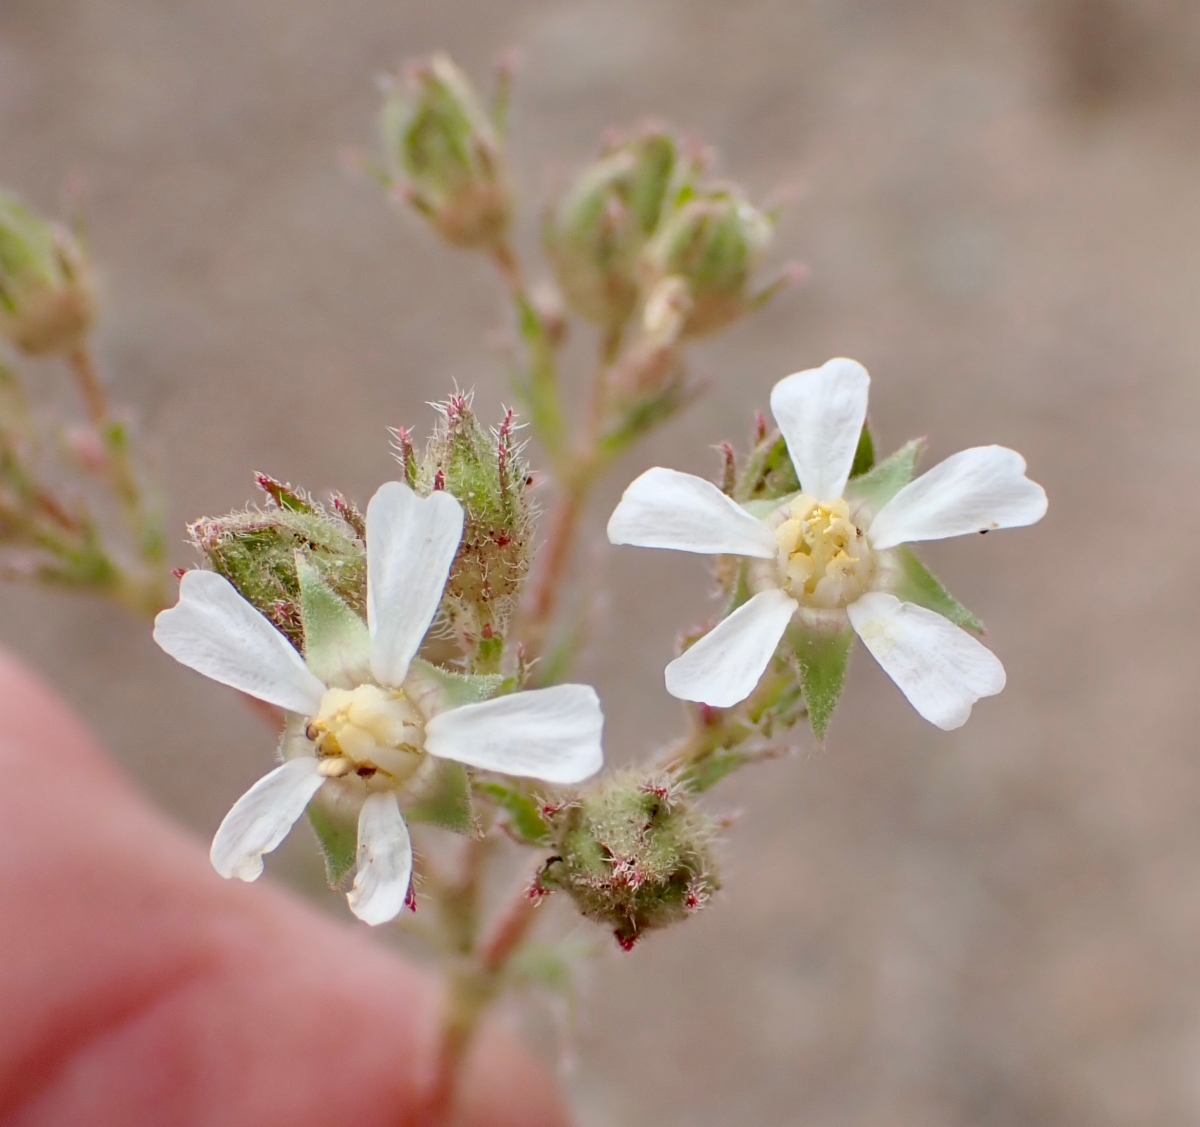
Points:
x=829 y=556
x=367 y=723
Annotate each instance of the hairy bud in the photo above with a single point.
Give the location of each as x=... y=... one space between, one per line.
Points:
x=485 y=470
x=714 y=241
x=255 y=549
x=47 y=302
x=443 y=150
x=595 y=234
x=634 y=853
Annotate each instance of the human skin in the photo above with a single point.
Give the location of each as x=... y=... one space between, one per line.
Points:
x=138 y=987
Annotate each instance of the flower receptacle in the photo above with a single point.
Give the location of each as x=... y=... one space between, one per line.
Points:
x=634 y=853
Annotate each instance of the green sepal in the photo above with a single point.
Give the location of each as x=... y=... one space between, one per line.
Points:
x=822 y=654
x=293 y=500
x=436 y=690
x=864 y=454
x=768 y=473
x=337 y=647
x=523 y=815
x=764 y=507
x=877 y=487
x=917 y=584
x=338 y=839
x=550 y=966
x=442 y=797
x=706 y=772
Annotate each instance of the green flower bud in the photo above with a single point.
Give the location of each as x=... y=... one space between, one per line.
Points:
x=595 y=234
x=255 y=549
x=634 y=853
x=714 y=241
x=440 y=143
x=485 y=471
x=46 y=299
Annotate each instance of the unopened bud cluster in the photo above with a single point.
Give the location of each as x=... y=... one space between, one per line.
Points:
x=47 y=303
x=256 y=549
x=636 y=228
x=486 y=471
x=634 y=853
x=445 y=155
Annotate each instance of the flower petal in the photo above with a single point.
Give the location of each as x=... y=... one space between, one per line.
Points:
x=668 y=509
x=821 y=414
x=940 y=668
x=724 y=666
x=261 y=818
x=974 y=490
x=385 y=861
x=214 y=631
x=411 y=542
x=550 y=734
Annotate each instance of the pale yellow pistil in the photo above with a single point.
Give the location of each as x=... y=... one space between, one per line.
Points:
x=825 y=560
x=365 y=730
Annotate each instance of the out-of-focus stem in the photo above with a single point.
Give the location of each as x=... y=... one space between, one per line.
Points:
x=471 y=990
x=142 y=522
x=87 y=378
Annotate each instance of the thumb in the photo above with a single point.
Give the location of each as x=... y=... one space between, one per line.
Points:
x=140 y=988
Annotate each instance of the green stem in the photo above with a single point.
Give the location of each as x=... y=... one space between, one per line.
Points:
x=472 y=988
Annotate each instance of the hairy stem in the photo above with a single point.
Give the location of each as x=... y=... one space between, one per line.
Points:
x=472 y=988
x=143 y=522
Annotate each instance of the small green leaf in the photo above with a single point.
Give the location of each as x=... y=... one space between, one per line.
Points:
x=877 y=487
x=524 y=817
x=864 y=455
x=338 y=837
x=442 y=797
x=436 y=690
x=919 y=585
x=337 y=647
x=823 y=655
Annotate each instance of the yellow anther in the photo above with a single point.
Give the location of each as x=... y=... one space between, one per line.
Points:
x=825 y=559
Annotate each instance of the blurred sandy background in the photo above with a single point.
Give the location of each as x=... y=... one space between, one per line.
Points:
x=996 y=927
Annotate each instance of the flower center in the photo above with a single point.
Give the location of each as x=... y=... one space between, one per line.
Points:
x=368 y=729
x=824 y=558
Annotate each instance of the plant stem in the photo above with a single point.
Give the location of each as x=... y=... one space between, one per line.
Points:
x=472 y=989
x=143 y=523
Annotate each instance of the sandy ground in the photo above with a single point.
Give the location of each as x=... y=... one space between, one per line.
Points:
x=996 y=927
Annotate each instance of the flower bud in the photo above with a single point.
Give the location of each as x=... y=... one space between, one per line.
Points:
x=46 y=299
x=714 y=241
x=595 y=234
x=255 y=549
x=634 y=853
x=440 y=142
x=485 y=471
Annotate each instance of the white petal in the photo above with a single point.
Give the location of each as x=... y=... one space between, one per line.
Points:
x=724 y=666
x=941 y=669
x=668 y=509
x=550 y=734
x=385 y=861
x=411 y=543
x=213 y=630
x=821 y=414
x=261 y=818
x=974 y=490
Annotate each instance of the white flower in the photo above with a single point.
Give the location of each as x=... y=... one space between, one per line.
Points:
x=831 y=558
x=369 y=715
